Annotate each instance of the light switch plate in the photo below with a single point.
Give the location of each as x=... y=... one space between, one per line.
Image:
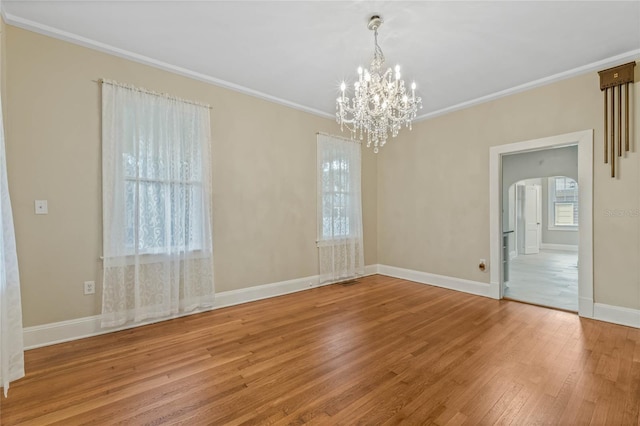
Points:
x=41 y=207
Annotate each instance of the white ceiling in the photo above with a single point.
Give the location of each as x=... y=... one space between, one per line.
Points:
x=297 y=52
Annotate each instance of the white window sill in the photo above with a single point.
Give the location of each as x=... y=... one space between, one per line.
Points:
x=563 y=228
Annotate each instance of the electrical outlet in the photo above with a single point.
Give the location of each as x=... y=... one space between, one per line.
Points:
x=89 y=287
x=483 y=265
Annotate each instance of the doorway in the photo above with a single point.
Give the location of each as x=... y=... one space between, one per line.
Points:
x=543 y=251
x=583 y=142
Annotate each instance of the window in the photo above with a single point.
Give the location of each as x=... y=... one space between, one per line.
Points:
x=339 y=209
x=339 y=197
x=161 y=146
x=156 y=189
x=336 y=196
x=563 y=203
x=161 y=212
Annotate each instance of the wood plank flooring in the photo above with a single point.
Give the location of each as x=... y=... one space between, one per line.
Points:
x=548 y=278
x=381 y=351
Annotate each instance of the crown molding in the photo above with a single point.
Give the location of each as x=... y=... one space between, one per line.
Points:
x=39 y=28
x=632 y=55
x=145 y=60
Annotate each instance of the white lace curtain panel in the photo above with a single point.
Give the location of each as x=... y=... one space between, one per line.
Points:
x=340 y=247
x=157 y=239
x=11 y=344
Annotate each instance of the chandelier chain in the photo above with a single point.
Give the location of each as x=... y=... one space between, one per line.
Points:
x=378 y=56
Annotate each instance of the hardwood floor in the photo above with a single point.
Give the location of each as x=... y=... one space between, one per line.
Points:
x=549 y=278
x=381 y=351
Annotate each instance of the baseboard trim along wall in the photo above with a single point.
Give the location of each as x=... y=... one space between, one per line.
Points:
x=585 y=307
x=588 y=309
x=65 y=331
x=616 y=315
x=452 y=283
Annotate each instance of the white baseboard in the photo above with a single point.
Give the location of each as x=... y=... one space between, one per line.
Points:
x=563 y=247
x=65 y=331
x=616 y=315
x=370 y=270
x=585 y=307
x=452 y=283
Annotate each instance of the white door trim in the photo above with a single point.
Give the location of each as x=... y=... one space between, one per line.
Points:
x=584 y=141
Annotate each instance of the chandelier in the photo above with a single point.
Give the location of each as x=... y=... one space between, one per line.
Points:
x=380 y=104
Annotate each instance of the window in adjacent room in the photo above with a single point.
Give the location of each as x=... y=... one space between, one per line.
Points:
x=563 y=203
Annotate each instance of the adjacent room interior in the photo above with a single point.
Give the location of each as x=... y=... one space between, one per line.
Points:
x=541 y=227
x=466 y=270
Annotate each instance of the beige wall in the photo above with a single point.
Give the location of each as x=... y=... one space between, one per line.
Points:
x=264 y=189
x=3 y=65
x=430 y=185
x=438 y=222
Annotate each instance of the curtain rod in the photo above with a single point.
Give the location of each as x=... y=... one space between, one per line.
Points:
x=340 y=137
x=150 y=92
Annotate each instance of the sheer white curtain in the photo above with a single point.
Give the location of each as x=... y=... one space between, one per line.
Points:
x=11 y=345
x=340 y=247
x=156 y=183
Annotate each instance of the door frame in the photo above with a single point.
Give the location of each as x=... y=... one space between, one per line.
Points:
x=584 y=140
